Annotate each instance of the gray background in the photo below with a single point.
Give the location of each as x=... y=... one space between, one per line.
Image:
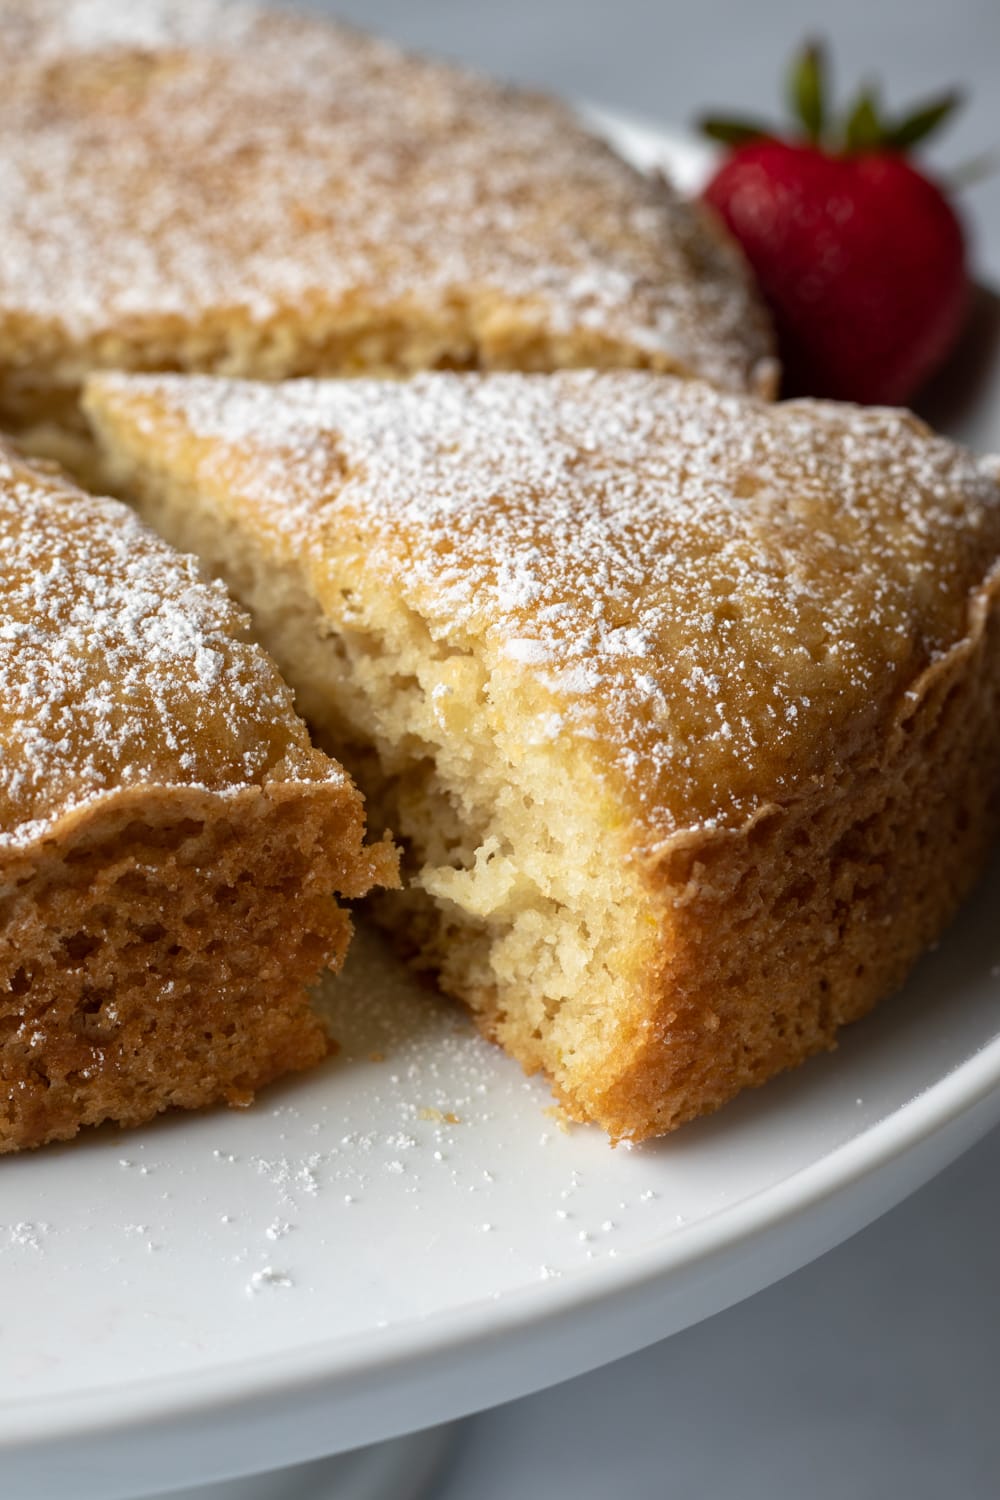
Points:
x=672 y=61
x=876 y=1371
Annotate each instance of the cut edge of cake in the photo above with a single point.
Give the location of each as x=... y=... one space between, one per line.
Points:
x=650 y=981
x=164 y=907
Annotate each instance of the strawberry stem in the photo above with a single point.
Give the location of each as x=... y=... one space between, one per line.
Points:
x=979 y=169
x=923 y=120
x=733 y=132
x=807 y=90
x=863 y=130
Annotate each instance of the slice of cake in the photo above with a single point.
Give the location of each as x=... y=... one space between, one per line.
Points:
x=685 y=705
x=170 y=841
x=196 y=185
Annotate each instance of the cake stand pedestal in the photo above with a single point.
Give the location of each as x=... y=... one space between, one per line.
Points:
x=403 y=1468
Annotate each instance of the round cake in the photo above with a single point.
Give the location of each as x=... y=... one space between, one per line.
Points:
x=205 y=186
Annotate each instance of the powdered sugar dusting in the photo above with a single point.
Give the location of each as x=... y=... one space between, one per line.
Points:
x=165 y=160
x=712 y=593
x=119 y=667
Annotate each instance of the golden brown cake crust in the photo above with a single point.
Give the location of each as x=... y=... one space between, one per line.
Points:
x=760 y=642
x=724 y=596
x=189 y=184
x=778 y=933
x=169 y=839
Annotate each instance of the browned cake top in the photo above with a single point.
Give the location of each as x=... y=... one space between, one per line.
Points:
x=118 y=667
x=175 y=159
x=718 y=596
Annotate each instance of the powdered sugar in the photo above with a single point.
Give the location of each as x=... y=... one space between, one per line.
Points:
x=119 y=667
x=168 y=163
x=713 y=593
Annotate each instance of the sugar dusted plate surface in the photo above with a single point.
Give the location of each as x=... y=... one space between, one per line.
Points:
x=409 y=1233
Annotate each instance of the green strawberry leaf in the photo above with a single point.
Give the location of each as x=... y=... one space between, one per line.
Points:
x=733 y=132
x=863 y=130
x=968 y=173
x=923 y=121
x=807 y=90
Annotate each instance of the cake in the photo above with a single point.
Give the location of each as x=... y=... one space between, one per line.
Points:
x=201 y=185
x=684 y=705
x=170 y=840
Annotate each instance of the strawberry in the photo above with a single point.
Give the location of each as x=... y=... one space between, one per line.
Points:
x=859 y=254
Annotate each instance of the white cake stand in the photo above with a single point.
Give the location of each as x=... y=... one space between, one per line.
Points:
x=407 y=1236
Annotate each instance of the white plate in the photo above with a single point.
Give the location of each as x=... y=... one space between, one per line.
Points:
x=407 y=1235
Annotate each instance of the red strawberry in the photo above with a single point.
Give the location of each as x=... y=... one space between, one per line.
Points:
x=860 y=256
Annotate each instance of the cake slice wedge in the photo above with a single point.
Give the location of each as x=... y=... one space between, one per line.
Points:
x=684 y=705
x=170 y=840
